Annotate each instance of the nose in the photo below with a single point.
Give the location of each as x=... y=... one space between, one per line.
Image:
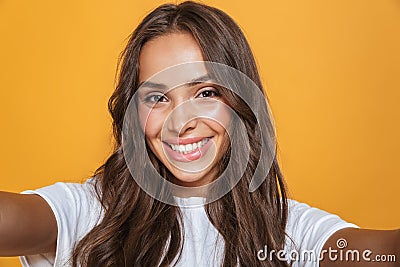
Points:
x=182 y=119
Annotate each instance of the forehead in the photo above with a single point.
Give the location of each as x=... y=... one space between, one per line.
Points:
x=167 y=51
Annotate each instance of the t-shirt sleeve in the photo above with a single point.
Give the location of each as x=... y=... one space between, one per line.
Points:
x=308 y=229
x=77 y=211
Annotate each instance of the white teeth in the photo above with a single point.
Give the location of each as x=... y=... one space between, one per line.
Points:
x=185 y=149
x=181 y=148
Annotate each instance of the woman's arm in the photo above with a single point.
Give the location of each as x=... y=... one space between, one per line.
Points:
x=27 y=225
x=361 y=247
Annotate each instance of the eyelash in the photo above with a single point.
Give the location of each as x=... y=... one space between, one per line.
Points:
x=150 y=98
x=213 y=91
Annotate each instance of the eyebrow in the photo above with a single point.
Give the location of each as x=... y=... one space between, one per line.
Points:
x=161 y=86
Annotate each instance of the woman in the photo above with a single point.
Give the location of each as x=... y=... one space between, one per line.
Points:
x=117 y=219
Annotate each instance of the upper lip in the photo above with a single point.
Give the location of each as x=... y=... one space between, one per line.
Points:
x=183 y=141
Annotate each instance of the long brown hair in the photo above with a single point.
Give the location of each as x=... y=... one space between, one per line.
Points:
x=135 y=226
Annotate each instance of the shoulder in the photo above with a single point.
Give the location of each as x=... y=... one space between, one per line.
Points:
x=71 y=199
x=77 y=210
x=308 y=228
x=303 y=218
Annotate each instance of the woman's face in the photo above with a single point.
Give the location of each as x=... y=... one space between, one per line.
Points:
x=187 y=143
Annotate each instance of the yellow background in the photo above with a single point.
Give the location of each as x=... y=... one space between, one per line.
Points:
x=331 y=69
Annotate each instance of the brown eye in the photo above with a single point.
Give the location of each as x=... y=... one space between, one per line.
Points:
x=155 y=98
x=208 y=93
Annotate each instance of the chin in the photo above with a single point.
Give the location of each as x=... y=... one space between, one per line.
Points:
x=189 y=180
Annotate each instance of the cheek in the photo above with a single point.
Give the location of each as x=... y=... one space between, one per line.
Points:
x=151 y=122
x=222 y=118
x=143 y=113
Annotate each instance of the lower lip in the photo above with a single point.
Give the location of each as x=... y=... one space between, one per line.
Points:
x=194 y=155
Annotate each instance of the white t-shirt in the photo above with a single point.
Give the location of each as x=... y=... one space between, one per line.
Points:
x=77 y=211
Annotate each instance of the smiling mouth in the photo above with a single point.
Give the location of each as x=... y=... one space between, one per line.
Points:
x=189 y=148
